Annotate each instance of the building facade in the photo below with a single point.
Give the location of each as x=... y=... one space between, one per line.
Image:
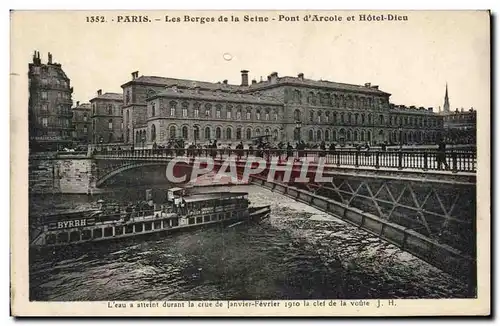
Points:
x=288 y=109
x=460 y=126
x=107 y=118
x=81 y=123
x=50 y=115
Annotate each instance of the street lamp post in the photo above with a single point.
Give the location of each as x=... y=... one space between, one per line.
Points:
x=101 y=140
x=143 y=139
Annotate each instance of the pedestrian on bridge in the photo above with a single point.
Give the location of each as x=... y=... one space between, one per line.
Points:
x=441 y=155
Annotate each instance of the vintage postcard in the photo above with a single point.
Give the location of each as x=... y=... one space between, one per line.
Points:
x=250 y=163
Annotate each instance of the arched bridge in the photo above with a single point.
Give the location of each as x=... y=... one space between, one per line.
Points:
x=403 y=197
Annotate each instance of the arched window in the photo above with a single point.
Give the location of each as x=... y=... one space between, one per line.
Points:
x=296 y=115
x=229 y=133
x=208 y=110
x=342 y=117
x=327 y=135
x=381 y=119
x=275 y=134
x=356 y=118
x=249 y=113
x=257 y=132
x=267 y=132
x=355 y=135
x=196 y=110
x=296 y=134
x=327 y=117
x=196 y=132
x=311 y=116
x=207 y=133
x=136 y=137
x=349 y=117
x=173 y=132
x=369 y=118
x=217 y=112
x=153 y=109
x=238 y=114
x=319 y=117
x=257 y=115
x=229 y=113
x=110 y=109
x=185 y=132
x=275 y=116
x=369 y=136
x=218 y=133
x=362 y=118
x=110 y=124
x=153 y=133
x=318 y=135
x=267 y=115
x=249 y=133
x=311 y=135
x=238 y=133
x=348 y=135
x=362 y=135
x=173 y=106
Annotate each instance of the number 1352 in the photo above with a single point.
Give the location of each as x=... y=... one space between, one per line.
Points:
x=95 y=19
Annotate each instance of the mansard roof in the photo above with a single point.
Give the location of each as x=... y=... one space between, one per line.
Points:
x=218 y=96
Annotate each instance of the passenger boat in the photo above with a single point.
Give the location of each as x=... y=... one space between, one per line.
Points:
x=181 y=211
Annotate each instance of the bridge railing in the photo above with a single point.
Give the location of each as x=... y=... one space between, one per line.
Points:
x=456 y=160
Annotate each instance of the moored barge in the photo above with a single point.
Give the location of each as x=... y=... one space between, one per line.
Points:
x=181 y=211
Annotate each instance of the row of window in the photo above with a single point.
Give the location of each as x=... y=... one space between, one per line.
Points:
x=339 y=100
x=55 y=122
x=207 y=112
x=109 y=109
x=98 y=233
x=361 y=118
x=318 y=135
x=60 y=95
x=110 y=124
x=55 y=82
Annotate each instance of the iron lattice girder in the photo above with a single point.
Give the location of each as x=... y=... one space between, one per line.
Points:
x=434 y=209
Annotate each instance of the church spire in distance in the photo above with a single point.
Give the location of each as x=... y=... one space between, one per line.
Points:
x=446 y=106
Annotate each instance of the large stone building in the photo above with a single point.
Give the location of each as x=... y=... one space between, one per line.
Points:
x=107 y=118
x=287 y=108
x=81 y=123
x=459 y=126
x=50 y=126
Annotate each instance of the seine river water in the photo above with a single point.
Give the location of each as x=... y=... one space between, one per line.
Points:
x=299 y=253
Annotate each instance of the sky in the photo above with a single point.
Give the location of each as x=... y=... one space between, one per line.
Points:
x=413 y=59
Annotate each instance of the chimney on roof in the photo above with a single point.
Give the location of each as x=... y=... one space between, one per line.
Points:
x=50 y=58
x=224 y=81
x=244 y=78
x=368 y=84
x=254 y=81
x=269 y=78
x=375 y=86
x=431 y=109
x=99 y=92
x=197 y=89
x=274 y=77
x=135 y=74
x=77 y=103
x=300 y=76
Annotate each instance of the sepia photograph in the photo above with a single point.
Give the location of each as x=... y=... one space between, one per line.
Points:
x=280 y=163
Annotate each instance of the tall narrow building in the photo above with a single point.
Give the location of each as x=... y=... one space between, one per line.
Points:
x=49 y=107
x=446 y=106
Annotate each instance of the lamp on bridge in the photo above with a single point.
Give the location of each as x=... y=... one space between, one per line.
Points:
x=298 y=125
x=143 y=140
x=101 y=140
